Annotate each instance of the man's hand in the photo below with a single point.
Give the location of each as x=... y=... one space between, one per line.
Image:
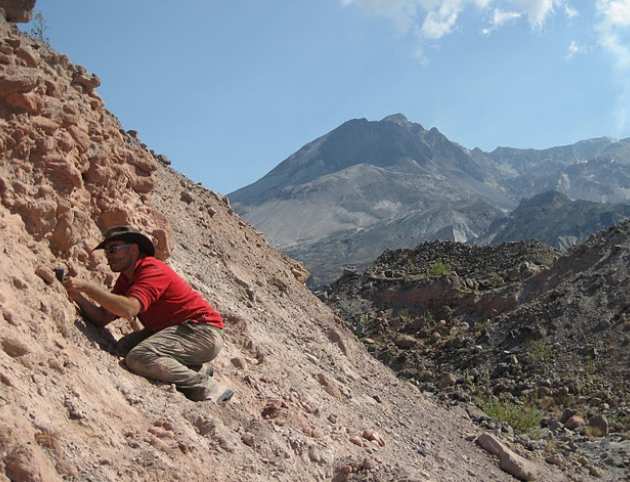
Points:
x=116 y=305
x=74 y=287
x=97 y=315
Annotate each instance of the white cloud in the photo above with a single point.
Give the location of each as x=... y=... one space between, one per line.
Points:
x=570 y=11
x=615 y=13
x=537 y=11
x=500 y=18
x=574 y=49
x=612 y=25
x=431 y=20
x=441 y=21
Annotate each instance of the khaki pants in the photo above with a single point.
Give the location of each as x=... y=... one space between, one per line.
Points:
x=173 y=355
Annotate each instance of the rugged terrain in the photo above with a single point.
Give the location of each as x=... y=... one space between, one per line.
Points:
x=538 y=341
x=370 y=185
x=311 y=403
x=555 y=219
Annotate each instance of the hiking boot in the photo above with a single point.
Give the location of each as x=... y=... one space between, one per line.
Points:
x=213 y=391
x=206 y=370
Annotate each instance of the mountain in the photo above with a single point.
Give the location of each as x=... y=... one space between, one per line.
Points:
x=440 y=220
x=370 y=177
x=553 y=218
x=371 y=185
x=310 y=404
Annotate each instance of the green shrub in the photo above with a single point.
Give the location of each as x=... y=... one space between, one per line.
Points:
x=439 y=268
x=522 y=418
x=539 y=351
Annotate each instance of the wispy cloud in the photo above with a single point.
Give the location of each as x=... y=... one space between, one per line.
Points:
x=574 y=49
x=612 y=30
x=570 y=11
x=500 y=18
x=433 y=19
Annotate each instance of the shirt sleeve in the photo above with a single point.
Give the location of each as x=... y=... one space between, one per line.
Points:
x=148 y=285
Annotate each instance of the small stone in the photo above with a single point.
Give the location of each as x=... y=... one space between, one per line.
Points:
x=404 y=341
x=18 y=283
x=566 y=415
x=14 y=347
x=447 y=380
x=598 y=425
x=356 y=440
x=273 y=409
x=373 y=436
x=594 y=471
x=367 y=464
x=45 y=274
x=248 y=439
x=239 y=363
x=554 y=459
x=574 y=422
x=186 y=197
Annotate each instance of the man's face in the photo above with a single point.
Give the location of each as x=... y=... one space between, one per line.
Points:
x=120 y=255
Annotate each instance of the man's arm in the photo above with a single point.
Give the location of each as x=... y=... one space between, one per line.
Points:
x=97 y=315
x=111 y=306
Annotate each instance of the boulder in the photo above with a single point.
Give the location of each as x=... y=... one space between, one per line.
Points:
x=510 y=462
x=598 y=425
x=17 y=11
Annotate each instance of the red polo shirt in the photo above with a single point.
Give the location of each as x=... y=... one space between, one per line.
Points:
x=166 y=299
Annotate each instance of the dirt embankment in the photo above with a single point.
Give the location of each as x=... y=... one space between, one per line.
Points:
x=311 y=404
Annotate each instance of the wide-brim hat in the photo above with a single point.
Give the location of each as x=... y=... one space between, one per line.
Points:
x=129 y=235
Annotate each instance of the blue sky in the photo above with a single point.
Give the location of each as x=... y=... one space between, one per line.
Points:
x=227 y=89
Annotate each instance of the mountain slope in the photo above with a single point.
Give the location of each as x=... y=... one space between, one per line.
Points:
x=311 y=403
x=553 y=218
x=360 y=174
x=369 y=182
x=538 y=342
x=439 y=220
x=367 y=186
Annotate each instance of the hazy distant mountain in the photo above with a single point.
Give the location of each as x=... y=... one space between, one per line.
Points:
x=553 y=218
x=446 y=221
x=595 y=169
x=361 y=174
x=370 y=185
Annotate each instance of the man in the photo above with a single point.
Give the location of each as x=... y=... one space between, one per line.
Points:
x=181 y=329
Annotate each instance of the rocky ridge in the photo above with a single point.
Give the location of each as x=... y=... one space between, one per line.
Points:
x=553 y=218
x=538 y=341
x=311 y=403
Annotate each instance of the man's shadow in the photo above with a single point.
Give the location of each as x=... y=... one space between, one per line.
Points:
x=99 y=335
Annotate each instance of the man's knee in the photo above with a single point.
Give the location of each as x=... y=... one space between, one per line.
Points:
x=138 y=360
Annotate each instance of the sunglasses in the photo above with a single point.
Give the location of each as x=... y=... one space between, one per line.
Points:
x=113 y=249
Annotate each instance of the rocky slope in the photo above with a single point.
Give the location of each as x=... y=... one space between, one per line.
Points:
x=457 y=221
x=311 y=404
x=553 y=218
x=538 y=341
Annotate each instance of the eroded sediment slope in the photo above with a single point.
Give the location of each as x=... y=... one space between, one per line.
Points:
x=311 y=404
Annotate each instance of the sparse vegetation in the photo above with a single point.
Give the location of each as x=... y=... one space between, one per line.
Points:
x=439 y=268
x=539 y=351
x=39 y=28
x=619 y=422
x=522 y=418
